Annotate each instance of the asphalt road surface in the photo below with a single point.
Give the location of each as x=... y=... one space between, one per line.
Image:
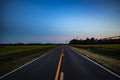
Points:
x=61 y=64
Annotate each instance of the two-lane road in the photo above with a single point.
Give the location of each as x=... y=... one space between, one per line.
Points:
x=61 y=64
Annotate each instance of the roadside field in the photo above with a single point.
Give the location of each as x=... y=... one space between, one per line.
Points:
x=107 y=46
x=109 y=50
x=11 y=57
x=106 y=55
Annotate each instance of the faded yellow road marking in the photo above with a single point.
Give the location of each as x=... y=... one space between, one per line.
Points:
x=63 y=55
x=59 y=65
x=61 y=76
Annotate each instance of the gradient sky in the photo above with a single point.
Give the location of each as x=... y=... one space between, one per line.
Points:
x=48 y=21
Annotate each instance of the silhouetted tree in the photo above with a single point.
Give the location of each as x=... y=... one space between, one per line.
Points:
x=95 y=41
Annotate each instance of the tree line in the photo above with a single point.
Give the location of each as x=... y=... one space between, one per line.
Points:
x=25 y=44
x=95 y=41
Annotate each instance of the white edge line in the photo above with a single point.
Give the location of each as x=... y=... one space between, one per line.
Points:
x=24 y=65
x=98 y=64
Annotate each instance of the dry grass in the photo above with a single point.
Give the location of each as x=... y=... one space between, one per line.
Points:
x=111 y=63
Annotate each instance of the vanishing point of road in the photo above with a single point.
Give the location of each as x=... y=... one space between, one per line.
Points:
x=62 y=63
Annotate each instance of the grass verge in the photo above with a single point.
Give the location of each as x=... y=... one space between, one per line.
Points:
x=112 y=63
x=12 y=57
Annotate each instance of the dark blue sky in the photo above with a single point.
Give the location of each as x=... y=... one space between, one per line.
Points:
x=58 y=20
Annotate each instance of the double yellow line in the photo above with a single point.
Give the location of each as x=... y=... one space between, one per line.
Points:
x=58 y=69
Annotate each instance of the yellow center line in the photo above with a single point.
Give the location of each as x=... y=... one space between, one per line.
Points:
x=59 y=65
x=61 y=75
x=63 y=55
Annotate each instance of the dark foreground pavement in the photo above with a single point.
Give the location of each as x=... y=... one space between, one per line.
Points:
x=73 y=66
